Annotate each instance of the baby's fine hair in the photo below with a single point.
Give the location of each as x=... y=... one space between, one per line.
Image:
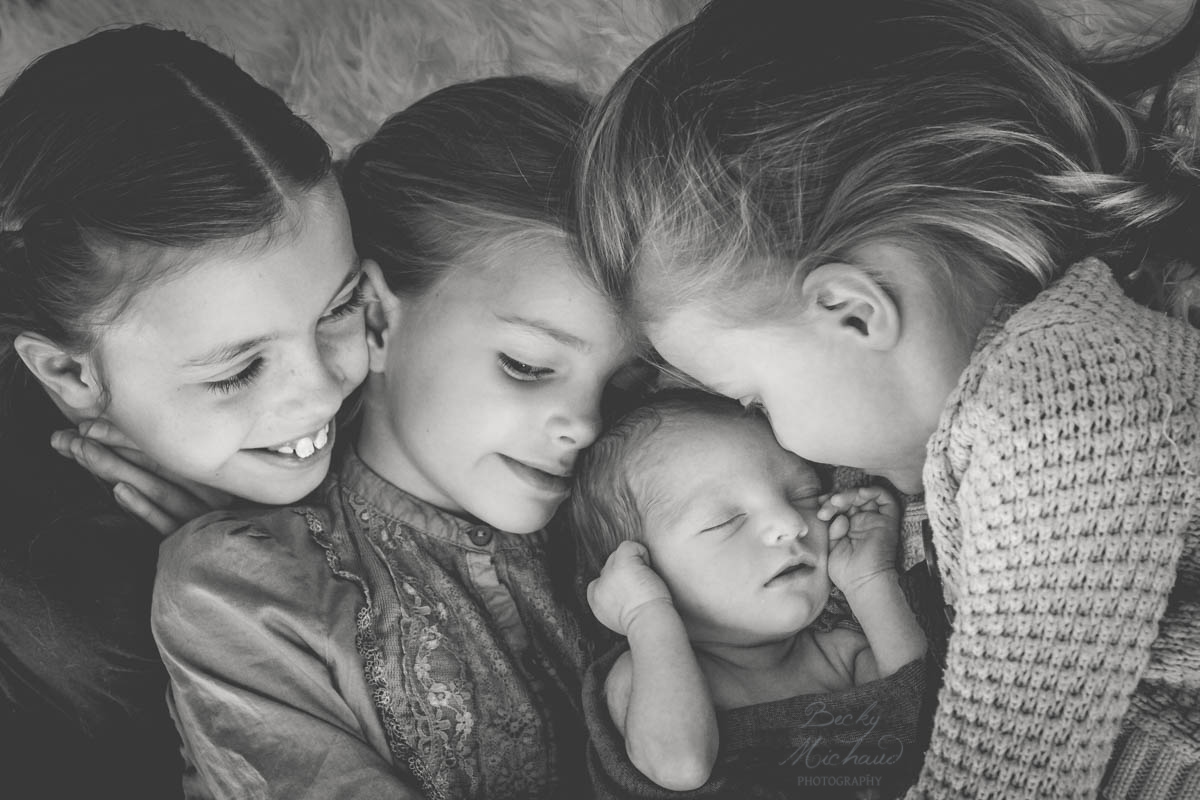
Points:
x=117 y=148
x=602 y=510
x=467 y=169
x=767 y=137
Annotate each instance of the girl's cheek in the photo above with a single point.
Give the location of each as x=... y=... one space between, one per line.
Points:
x=345 y=353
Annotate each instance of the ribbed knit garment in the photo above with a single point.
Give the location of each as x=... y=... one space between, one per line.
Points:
x=1063 y=490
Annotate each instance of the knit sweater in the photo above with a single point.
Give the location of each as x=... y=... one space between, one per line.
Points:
x=1063 y=490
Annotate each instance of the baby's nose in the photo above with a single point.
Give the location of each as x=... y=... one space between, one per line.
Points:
x=788 y=525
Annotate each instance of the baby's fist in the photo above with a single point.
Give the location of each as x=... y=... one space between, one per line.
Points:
x=864 y=528
x=625 y=586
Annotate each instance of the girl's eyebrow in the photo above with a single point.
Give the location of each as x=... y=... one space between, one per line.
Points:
x=228 y=352
x=545 y=328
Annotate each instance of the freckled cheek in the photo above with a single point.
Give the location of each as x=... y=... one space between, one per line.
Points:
x=183 y=427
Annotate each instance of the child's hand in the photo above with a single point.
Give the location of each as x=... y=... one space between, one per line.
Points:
x=625 y=586
x=140 y=485
x=864 y=532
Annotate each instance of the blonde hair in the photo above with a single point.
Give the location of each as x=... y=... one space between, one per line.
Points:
x=751 y=145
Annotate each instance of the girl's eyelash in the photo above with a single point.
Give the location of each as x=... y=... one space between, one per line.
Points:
x=353 y=303
x=238 y=381
x=519 y=370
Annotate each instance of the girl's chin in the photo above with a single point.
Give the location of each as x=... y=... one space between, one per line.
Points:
x=521 y=521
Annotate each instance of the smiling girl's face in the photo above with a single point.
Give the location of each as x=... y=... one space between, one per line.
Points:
x=489 y=385
x=220 y=370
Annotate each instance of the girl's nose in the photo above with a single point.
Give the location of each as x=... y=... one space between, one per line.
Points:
x=575 y=420
x=314 y=389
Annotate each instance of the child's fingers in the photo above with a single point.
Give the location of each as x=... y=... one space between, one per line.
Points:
x=104 y=432
x=115 y=466
x=864 y=498
x=133 y=456
x=830 y=507
x=630 y=551
x=136 y=503
x=838 y=528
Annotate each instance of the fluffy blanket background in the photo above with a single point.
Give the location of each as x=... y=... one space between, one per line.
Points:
x=348 y=64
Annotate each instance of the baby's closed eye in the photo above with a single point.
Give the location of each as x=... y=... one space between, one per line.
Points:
x=725 y=521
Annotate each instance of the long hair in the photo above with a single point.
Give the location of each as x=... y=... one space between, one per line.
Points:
x=113 y=151
x=763 y=139
x=470 y=167
x=118 y=147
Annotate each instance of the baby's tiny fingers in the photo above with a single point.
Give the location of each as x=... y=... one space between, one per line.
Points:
x=839 y=527
x=837 y=502
x=867 y=506
x=630 y=549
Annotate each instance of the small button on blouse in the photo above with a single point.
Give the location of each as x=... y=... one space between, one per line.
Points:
x=480 y=535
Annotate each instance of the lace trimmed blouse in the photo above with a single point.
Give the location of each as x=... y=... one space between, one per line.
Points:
x=370 y=646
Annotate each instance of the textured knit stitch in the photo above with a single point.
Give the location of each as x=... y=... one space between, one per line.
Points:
x=1063 y=489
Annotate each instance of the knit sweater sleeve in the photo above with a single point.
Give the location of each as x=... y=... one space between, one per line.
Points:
x=1061 y=485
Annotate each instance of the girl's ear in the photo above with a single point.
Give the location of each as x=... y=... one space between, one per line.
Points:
x=382 y=314
x=72 y=380
x=852 y=302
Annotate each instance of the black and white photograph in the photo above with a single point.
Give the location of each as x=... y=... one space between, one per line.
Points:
x=600 y=399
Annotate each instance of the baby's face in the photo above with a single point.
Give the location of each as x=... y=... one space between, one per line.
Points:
x=730 y=519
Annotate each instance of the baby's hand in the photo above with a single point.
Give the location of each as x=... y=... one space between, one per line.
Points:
x=625 y=586
x=864 y=527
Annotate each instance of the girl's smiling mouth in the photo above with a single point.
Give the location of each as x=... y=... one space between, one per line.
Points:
x=303 y=447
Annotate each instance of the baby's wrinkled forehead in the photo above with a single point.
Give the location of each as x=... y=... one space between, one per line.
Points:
x=689 y=451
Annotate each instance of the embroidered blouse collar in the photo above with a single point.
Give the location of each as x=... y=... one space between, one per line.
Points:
x=393 y=502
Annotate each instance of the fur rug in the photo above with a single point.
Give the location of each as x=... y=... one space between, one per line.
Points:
x=347 y=64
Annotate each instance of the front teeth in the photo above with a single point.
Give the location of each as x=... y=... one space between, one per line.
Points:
x=305 y=446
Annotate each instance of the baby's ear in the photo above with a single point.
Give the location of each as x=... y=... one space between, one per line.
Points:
x=850 y=301
x=71 y=379
x=382 y=315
